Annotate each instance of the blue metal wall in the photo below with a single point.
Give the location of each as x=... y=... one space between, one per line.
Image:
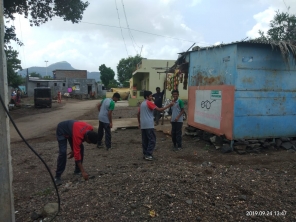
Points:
x=216 y=66
x=265 y=96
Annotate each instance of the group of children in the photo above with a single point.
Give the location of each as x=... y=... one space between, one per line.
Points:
x=76 y=132
x=146 y=123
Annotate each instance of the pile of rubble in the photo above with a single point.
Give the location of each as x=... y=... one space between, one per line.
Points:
x=243 y=146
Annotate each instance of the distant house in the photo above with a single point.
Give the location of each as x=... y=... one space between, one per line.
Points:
x=148 y=77
x=63 y=74
x=74 y=82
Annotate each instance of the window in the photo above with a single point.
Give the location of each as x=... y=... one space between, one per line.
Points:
x=42 y=84
x=64 y=84
x=55 y=84
x=77 y=86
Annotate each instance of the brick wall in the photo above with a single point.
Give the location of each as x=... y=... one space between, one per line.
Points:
x=63 y=74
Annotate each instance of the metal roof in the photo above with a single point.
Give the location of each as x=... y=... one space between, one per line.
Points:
x=258 y=42
x=46 y=80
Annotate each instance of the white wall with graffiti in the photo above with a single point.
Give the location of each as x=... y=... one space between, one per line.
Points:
x=208 y=107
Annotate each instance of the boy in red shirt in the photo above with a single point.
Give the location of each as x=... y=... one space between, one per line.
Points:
x=75 y=133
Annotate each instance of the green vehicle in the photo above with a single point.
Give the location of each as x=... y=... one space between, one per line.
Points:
x=42 y=97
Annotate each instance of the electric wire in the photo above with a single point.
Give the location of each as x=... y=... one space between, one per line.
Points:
x=129 y=31
x=31 y=148
x=136 y=30
x=121 y=29
x=286 y=5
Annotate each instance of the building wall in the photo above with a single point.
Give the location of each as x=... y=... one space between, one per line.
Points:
x=215 y=66
x=63 y=74
x=254 y=80
x=147 y=78
x=101 y=92
x=58 y=86
x=83 y=84
x=265 y=95
x=33 y=84
x=63 y=86
x=54 y=85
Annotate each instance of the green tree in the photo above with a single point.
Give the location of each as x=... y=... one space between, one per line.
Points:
x=34 y=74
x=282 y=28
x=41 y=11
x=13 y=64
x=107 y=74
x=38 y=12
x=125 y=69
x=47 y=77
x=113 y=84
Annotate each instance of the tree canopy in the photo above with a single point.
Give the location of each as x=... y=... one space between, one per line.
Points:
x=13 y=64
x=113 y=84
x=41 y=11
x=107 y=74
x=38 y=12
x=35 y=74
x=126 y=67
x=282 y=28
x=282 y=35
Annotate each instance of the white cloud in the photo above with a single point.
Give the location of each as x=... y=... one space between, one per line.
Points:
x=87 y=46
x=263 y=20
x=194 y=2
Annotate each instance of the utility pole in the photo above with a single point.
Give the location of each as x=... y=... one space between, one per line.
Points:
x=46 y=66
x=6 y=194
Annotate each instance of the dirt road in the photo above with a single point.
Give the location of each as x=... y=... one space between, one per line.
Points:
x=38 y=125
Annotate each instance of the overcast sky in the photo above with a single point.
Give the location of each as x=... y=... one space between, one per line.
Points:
x=99 y=40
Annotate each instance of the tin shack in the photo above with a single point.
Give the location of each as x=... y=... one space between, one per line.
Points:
x=243 y=90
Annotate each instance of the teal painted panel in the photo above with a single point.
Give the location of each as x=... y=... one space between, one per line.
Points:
x=264 y=94
x=212 y=67
x=264 y=127
x=262 y=57
x=265 y=80
x=262 y=106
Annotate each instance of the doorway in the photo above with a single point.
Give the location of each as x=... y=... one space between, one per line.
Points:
x=89 y=89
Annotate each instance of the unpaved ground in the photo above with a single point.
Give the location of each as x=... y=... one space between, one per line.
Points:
x=36 y=122
x=195 y=184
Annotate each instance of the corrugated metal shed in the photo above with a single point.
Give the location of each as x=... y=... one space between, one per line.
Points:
x=242 y=90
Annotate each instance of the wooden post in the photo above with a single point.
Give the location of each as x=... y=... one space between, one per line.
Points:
x=165 y=86
x=6 y=195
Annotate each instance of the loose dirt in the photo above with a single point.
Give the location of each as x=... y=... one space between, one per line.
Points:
x=197 y=183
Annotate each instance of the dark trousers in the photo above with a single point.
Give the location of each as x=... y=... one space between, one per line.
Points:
x=157 y=116
x=177 y=133
x=104 y=127
x=62 y=158
x=148 y=141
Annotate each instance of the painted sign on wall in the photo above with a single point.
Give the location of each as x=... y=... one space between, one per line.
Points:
x=208 y=106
